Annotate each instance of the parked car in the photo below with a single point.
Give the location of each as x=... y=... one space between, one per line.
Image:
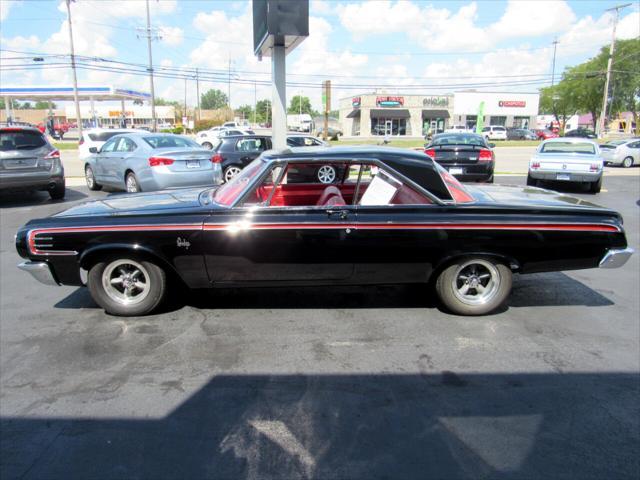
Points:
x=623 y=152
x=545 y=134
x=96 y=137
x=234 y=152
x=394 y=216
x=467 y=156
x=332 y=133
x=240 y=125
x=29 y=162
x=567 y=160
x=145 y=161
x=521 y=134
x=210 y=138
x=581 y=133
x=296 y=140
x=457 y=129
x=495 y=132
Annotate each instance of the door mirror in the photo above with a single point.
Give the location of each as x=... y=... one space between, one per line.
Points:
x=492 y=145
x=93 y=149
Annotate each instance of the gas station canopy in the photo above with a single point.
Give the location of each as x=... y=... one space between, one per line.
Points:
x=65 y=93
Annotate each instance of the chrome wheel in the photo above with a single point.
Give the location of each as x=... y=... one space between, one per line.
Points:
x=476 y=282
x=627 y=162
x=231 y=172
x=88 y=175
x=126 y=282
x=132 y=184
x=208 y=145
x=326 y=174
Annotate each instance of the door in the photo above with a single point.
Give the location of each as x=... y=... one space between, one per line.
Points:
x=114 y=163
x=102 y=160
x=279 y=234
x=388 y=127
x=248 y=149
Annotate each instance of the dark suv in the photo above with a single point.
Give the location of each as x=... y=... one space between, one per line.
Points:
x=29 y=162
x=234 y=152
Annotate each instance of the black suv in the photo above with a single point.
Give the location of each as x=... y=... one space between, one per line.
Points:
x=234 y=152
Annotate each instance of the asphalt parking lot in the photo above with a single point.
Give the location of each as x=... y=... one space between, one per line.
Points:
x=349 y=382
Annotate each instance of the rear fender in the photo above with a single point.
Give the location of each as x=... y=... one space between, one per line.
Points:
x=510 y=262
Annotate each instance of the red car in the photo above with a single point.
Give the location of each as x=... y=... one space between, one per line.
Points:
x=545 y=134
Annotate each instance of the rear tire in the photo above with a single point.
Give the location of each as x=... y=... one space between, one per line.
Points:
x=474 y=285
x=127 y=286
x=489 y=180
x=531 y=182
x=595 y=187
x=91 y=179
x=131 y=183
x=57 y=192
x=627 y=162
x=207 y=145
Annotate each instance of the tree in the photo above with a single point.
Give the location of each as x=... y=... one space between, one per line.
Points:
x=263 y=111
x=213 y=99
x=44 y=105
x=26 y=106
x=625 y=90
x=14 y=104
x=245 y=112
x=300 y=104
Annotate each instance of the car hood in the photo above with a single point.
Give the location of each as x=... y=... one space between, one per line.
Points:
x=516 y=196
x=138 y=203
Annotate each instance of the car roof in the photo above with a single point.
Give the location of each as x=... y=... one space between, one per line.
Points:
x=570 y=140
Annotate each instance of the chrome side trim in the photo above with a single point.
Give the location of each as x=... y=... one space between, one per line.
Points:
x=615 y=258
x=40 y=271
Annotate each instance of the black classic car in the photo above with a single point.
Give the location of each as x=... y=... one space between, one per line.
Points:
x=467 y=156
x=391 y=216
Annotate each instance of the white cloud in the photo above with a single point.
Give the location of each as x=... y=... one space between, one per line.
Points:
x=172 y=36
x=526 y=18
x=5 y=7
x=320 y=7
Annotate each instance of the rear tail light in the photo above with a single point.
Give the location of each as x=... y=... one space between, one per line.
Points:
x=535 y=165
x=217 y=158
x=485 y=155
x=594 y=167
x=159 y=161
x=431 y=152
x=53 y=154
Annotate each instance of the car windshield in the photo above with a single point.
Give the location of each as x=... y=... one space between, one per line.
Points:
x=568 y=147
x=20 y=140
x=170 y=141
x=230 y=191
x=616 y=142
x=458 y=139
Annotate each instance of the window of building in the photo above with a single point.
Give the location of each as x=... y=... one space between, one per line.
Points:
x=388 y=126
x=521 y=122
x=498 y=120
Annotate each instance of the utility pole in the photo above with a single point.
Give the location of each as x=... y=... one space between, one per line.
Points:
x=73 y=67
x=553 y=63
x=255 y=101
x=605 y=97
x=151 y=34
x=198 y=91
x=229 y=83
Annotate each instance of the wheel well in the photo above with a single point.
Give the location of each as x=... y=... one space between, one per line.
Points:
x=510 y=262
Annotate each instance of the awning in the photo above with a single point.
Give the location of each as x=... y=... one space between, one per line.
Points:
x=354 y=113
x=390 y=113
x=435 y=113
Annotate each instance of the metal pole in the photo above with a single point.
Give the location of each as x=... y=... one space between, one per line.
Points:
x=255 y=101
x=278 y=97
x=198 y=92
x=154 y=125
x=553 y=64
x=229 y=83
x=605 y=97
x=8 y=104
x=73 y=68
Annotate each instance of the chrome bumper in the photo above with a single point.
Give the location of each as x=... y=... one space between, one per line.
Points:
x=40 y=271
x=615 y=258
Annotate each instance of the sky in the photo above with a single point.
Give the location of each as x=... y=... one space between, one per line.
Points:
x=422 y=47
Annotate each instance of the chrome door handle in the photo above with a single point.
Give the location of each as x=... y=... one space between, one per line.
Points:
x=342 y=214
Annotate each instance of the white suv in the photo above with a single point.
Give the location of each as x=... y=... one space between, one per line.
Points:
x=210 y=138
x=495 y=132
x=96 y=137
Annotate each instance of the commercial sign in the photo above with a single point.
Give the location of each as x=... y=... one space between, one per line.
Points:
x=442 y=102
x=389 y=101
x=355 y=101
x=512 y=103
x=118 y=113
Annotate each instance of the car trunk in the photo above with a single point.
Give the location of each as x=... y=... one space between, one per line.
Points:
x=25 y=160
x=570 y=162
x=457 y=154
x=185 y=160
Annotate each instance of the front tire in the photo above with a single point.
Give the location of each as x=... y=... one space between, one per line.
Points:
x=474 y=285
x=91 y=179
x=627 y=162
x=127 y=286
x=231 y=171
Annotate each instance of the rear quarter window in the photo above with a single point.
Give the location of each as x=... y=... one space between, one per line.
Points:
x=21 y=140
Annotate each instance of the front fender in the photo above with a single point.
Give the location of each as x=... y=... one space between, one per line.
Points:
x=94 y=254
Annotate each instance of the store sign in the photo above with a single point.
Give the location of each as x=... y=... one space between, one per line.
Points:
x=118 y=113
x=389 y=101
x=439 y=102
x=512 y=103
x=355 y=101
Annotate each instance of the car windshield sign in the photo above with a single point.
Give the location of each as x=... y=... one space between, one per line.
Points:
x=569 y=147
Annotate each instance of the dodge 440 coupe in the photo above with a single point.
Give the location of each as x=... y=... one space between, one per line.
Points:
x=390 y=216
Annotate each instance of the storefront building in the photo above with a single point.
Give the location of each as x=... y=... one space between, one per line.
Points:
x=115 y=117
x=413 y=115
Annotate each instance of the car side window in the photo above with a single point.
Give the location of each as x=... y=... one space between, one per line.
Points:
x=125 y=145
x=634 y=145
x=109 y=146
x=486 y=129
x=251 y=145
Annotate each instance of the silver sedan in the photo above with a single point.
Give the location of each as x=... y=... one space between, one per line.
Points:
x=625 y=153
x=146 y=161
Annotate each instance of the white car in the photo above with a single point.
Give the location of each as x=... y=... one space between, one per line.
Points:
x=567 y=159
x=210 y=138
x=495 y=132
x=96 y=137
x=625 y=153
x=457 y=129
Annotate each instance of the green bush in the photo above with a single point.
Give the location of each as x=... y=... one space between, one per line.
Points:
x=206 y=124
x=178 y=130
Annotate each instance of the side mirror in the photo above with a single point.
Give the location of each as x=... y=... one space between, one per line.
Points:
x=492 y=145
x=93 y=149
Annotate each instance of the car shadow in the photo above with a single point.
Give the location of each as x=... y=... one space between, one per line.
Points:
x=567 y=187
x=12 y=199
x=543 y=289
x=428 y=424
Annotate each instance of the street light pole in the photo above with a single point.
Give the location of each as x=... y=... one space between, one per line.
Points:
x=605 y=97
x=73 y=68
x=153 y=95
